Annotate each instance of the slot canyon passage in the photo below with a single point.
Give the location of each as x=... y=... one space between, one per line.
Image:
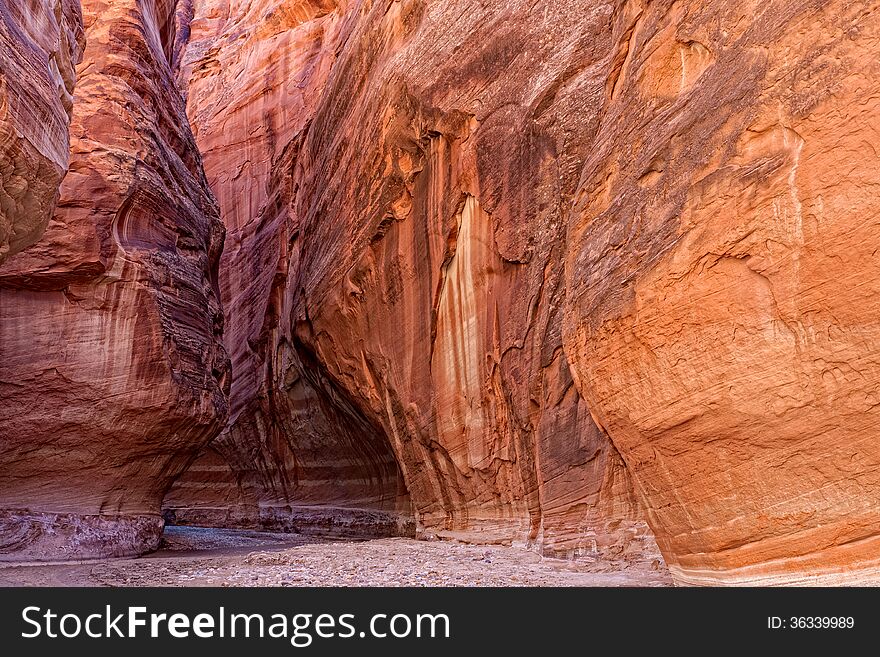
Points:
x=583 y=287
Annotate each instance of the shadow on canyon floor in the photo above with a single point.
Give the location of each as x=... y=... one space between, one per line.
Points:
x=197 y=556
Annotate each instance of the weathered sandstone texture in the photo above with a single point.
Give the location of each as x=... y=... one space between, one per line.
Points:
x=722 y=291
x=40 y=44
x=298 y=454
x=112 y=374
x=572 y=274
x=393 y=177
x=564 y=261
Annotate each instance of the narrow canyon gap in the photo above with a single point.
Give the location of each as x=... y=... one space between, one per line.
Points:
x=574 y=274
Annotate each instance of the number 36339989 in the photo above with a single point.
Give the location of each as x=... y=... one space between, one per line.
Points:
x=811 y=623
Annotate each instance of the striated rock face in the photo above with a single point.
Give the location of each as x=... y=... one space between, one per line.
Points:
x=568 y=273
x=393 y=278
x=563 y=261
x=298 y=453
x=112 y=374
x=40 y=44
x=722 y=299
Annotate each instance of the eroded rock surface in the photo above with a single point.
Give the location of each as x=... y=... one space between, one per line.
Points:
x=112 y=374
x=511 y=272
x=722 y=292
x=298 y=453
x=40 y=44
x=392 y=176
x=673 y=184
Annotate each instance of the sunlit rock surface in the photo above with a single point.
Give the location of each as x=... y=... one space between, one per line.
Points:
x=722 y=307
x=571 y=274
x=392 y=176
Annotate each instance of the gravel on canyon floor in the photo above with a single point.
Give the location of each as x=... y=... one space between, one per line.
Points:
x=195 y=556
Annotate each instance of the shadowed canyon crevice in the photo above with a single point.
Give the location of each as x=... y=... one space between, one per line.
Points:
x=589 y=276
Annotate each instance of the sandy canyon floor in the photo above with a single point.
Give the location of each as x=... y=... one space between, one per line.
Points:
x=194 y=556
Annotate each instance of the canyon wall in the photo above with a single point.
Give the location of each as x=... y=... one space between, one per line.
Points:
x=574 y=264
x=574 y=274
x=722 y=310
x=393 y=177
x=40 y=45
x=297 y=454
x=112 y=374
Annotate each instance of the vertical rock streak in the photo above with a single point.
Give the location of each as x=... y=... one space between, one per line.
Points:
x=432 y=320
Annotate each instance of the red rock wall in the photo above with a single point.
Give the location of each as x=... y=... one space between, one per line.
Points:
x=508 y=272
x=40 y=43
x=393 y=202
x=684 y=189
x=298 y=452
x=112 y=374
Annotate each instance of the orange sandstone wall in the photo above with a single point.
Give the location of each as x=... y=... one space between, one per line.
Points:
x=393 y=176
x=722 y=309
x=576 y=263
x=576 y=274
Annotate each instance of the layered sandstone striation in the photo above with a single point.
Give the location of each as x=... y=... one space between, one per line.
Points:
x=298 y=453
x=573 y=274
x=393 y=176
x=722 y=300
x=112 y=373
x=40 y=44
x=565 y=261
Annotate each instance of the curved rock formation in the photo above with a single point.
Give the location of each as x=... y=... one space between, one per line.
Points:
x=40 y=44
x=112 y=375
x=722 y=299
x=665 y=181
x=548 y=272
x=395 y=265
x=298 y=453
